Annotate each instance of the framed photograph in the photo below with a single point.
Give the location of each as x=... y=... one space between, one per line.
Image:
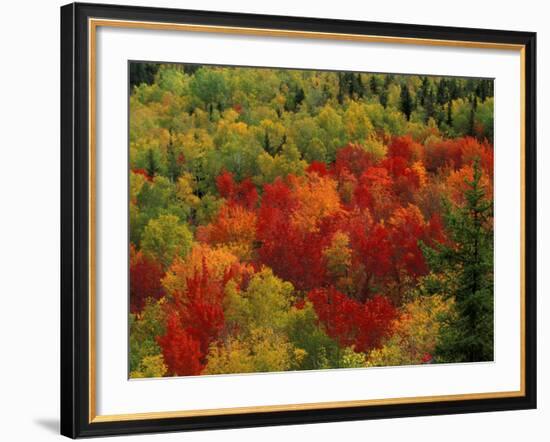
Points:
x=274 y=220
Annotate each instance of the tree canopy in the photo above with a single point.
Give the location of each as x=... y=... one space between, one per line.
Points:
x=298 y=219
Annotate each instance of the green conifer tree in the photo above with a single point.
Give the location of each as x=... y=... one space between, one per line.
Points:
x=463 y=270
x=471 y=120
x=450 y=114
x=152 y=163
x=406 y=101
x=173 y=167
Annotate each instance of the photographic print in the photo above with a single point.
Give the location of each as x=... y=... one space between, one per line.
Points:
x=305 y=220
x=292 y=220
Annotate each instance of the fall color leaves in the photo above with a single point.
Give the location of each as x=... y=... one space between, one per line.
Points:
x=273 y=229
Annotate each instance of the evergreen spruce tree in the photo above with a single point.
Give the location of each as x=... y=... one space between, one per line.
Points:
x=471 y=85
x=299 y=97
x=373 y=84
x=463 y=270
x=142 y=73
x=450 y=114
x=174 y=169
x=453 y=89
x=442 y=92
x=423 y=91
x=341 y=88
x=383 y=97
x=152 y=167
x=267 y=142
x=471 y=120
x=358 y=87
x=483 y=90
x=429 y=104
x=406 y=103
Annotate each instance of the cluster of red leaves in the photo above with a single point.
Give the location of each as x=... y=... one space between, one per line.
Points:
x=457 y=152
x=404 y=147
x=195 y=320
x=372 y=252
x=407 y=228
x=243 y=193
x=145 y=280
x=142 y=172
x=374 y=191
x=383 y=225
x=294 y=255
x=370 y=202
x=352 y=158
x=353 y=323
x=181 y=352
x=234 y=224
x=318 y=167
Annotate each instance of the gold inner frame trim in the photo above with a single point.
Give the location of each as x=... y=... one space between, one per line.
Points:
x=93 y=24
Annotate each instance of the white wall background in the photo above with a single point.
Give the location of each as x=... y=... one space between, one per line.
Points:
x=29 y=220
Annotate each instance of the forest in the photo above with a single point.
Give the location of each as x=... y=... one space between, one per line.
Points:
x=303 y=220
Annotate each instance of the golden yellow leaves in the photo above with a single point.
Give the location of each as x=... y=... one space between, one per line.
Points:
x=150 y=367
x=217 y=260
x=317 y=198
x=185 y=188
x=338 y=257
x=416 y=332
x=260 y=314
x=263 y=351
x=235 y=228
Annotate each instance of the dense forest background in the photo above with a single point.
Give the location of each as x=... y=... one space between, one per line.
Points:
x=290 y=220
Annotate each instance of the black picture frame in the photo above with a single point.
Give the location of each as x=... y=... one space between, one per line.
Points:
x=75 y=220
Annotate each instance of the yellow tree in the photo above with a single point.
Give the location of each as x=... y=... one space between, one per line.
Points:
x=262 y=351
x=317 y=198
x=234 y=229
x=338 y=256
x=165 y=238
x=258 y=318
x=358 y=126
x=185 y=190
x=416 y=333
x=216 y=260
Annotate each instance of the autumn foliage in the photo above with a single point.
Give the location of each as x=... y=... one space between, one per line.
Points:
x=145 y=280
x=195 y=320
x=293 y=222
x=362 y=326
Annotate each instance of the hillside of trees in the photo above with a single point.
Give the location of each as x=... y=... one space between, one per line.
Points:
x=296 y=220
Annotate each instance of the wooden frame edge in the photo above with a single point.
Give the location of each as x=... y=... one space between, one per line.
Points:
x=69 y=17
